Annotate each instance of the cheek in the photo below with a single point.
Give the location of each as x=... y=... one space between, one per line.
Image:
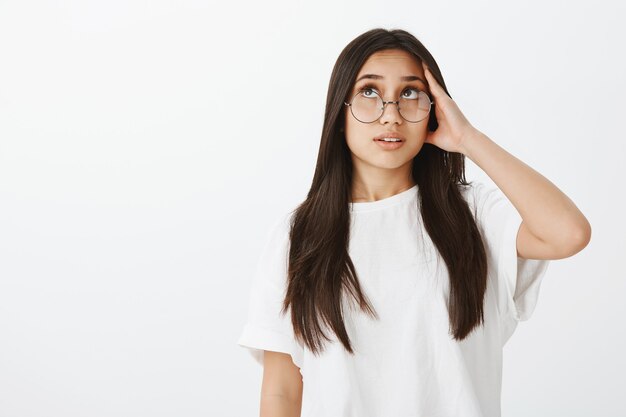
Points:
x=358 y=146
x=353 y=143
x=352 y=133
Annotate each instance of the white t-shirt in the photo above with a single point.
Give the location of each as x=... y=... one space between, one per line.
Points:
x=406 y=364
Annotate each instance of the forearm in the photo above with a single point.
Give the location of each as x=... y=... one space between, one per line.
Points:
x=547 y=212
x=280 y=406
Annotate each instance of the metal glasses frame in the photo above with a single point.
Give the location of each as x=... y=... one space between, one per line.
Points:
x=397 y=103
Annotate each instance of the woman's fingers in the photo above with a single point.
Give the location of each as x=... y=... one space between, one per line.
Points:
x=435 y=88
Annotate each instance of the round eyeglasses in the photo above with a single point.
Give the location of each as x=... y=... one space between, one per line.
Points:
x=367 y=106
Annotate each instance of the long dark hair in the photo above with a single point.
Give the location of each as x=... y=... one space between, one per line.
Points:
x=320 y=269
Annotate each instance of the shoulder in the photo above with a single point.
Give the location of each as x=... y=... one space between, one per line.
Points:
x=277 y=236
x=280 y=225
x=488 y=204
x=473 y=192
x=477 y=192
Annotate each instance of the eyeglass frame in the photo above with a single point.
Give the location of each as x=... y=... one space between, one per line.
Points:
x=397 y=103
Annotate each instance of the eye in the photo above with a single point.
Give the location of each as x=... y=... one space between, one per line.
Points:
x=414 y=97
x=367 y=90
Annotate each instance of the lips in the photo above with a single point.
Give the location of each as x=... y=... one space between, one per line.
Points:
x=390 y=135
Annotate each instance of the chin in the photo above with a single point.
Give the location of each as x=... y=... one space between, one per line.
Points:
x=389 y=163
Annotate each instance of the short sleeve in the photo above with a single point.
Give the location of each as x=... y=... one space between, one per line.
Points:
x=266 y=328
x=518 y=279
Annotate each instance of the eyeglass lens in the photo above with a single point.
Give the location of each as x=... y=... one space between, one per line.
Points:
x=368 y=106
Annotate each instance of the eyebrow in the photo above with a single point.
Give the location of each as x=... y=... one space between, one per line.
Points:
x=380 y=77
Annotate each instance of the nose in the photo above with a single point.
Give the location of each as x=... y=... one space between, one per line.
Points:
x=392 y=115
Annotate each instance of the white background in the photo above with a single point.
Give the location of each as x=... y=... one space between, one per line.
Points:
x=135 y=196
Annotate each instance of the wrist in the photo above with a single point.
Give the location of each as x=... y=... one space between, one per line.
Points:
x=469 y=140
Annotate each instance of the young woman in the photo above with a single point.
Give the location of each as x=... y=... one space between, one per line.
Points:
x=402 y=280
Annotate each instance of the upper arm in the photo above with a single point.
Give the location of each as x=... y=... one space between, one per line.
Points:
x=281 y=377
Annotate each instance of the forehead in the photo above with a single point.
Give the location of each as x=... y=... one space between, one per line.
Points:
x=392 y=64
